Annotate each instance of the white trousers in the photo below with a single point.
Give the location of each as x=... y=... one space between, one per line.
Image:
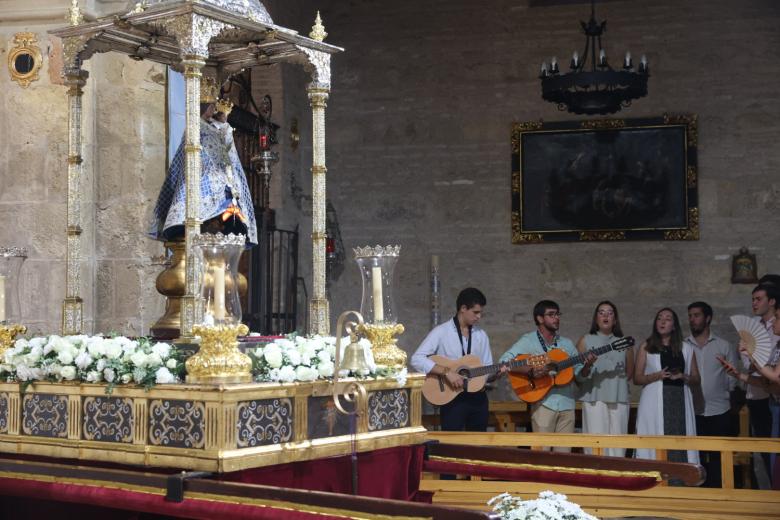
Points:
x=608 y=418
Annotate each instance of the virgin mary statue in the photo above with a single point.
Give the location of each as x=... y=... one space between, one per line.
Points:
x=225 y=201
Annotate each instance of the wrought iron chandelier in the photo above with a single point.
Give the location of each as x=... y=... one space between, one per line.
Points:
x=592 y=86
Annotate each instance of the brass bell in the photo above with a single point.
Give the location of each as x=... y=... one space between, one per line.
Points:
x=354 y=357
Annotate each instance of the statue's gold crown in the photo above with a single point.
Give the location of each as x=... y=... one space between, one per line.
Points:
x=208 y=90
x=224 y=105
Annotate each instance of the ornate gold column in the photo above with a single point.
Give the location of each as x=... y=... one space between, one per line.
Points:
x=318 y=90
x=193 y=33
x=191 y=309
x=318 y=306
x=73 y=305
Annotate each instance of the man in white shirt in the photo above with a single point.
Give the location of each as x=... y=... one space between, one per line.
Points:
x=454 y=339
x=712 y=398
x=758 y=400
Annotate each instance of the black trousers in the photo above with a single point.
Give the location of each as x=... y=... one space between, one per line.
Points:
x=713 y=426
x=761 y=425
x=468 y=411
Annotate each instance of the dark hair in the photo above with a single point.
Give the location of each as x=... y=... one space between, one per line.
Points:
x=705 y=308
x=655 y=344
x=594 y=326
x=770 y=279
x=542 y=306
x=772 y=292
x=470 y=297
x=204 y=107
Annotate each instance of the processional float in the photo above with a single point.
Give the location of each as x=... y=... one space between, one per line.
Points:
x=223 y=432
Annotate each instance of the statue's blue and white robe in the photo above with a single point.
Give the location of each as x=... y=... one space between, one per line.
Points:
x=218 y=187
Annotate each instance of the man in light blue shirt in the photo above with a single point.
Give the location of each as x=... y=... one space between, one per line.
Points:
x=555 y=412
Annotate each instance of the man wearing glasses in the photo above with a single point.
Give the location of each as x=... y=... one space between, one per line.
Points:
x=555 y=412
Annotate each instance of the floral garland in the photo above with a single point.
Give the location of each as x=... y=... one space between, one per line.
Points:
x=302 y=358
x=92 y=359
x=121 y=360
x=549 y=506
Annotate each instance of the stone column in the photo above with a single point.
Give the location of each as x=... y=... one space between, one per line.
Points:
x=190 y=303
x=318 y=306
x=73 y=305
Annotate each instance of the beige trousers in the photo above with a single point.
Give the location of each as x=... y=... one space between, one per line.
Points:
x=544 y=420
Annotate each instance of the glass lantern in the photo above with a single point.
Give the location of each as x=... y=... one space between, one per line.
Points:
x=377 y=265
x=11 y=260
x=219 y=255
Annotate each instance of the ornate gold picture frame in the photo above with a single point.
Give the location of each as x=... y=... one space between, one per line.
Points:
x=25 y=59
x=607 y=179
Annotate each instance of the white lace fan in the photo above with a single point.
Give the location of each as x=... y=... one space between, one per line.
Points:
x=755 y=336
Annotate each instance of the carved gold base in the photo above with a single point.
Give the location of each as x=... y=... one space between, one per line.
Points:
x=383 y=344
x=218 y=360
x=8 y=334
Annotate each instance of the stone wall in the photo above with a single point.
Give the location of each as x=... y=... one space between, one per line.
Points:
x=124 y=165
x=419 y=152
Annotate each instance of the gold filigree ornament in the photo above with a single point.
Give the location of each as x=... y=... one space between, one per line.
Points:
x=74 y=17
x=318 y=30
x=24 y=59
x=209 y=91
x=219 y=361
x=383 y=343
x=8 y=335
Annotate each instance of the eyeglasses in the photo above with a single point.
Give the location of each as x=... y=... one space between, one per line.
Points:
x=553 y=314
x=606 y=313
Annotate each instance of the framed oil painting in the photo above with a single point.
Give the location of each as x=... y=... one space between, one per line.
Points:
x=607 y=179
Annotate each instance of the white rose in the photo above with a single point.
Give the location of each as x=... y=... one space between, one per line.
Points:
x=329 y=340
x=33 y=356
x=324 y=356
x=304 y=373
x=300 y=340
x=58 y=344
x=101 y=364
x=285 y=343
x=109 y=375
x=153 y=360
x=93 y=376
x=65 y=357
x=96 y=346
x=163 y=376
x=68 y=373
x=126 y=378
x=259 y=353
x=305 y=360
x=38 y=342
x=54 y=370
x=294 y=356
x=138 y=359
x=400 y=377
x=325 y=369
x=83 y=360
x=162 y=349
x=273 y=374
x=273 y=355
x=20 y=343
x=113 y=349
x=171 y=363
x=287 y=374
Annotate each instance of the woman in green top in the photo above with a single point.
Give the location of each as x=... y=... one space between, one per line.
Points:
x=603 y=388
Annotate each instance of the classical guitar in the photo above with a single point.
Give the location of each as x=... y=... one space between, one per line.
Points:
x=561 y=368
x=437 y=390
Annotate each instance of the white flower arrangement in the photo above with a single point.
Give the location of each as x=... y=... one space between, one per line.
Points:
x=549 y=506
x=92 y=359
x=301 y=358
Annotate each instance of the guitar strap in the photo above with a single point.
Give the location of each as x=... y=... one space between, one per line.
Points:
x=544 y=345
x=460 y=335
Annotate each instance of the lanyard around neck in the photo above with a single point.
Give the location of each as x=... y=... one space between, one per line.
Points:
x=544 y=344
x=460 y=336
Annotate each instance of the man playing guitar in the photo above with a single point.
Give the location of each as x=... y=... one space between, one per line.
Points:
x=554 y=413
x=454 y=339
